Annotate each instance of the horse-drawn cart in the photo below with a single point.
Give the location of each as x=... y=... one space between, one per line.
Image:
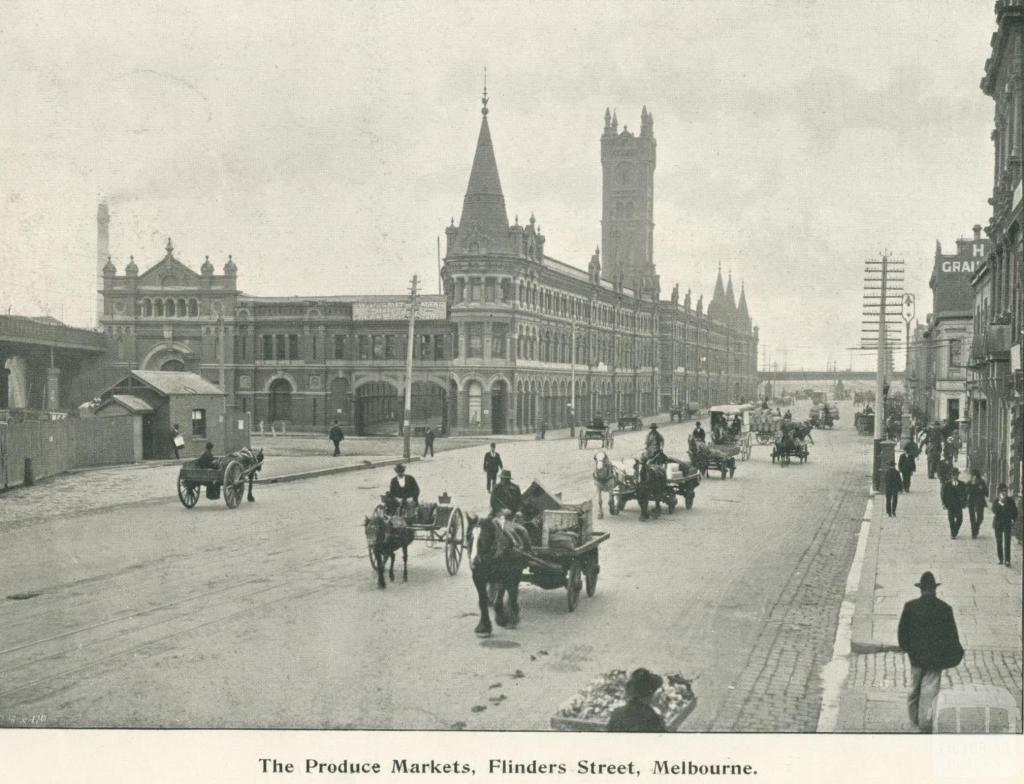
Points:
x=228 y=478
x=734 y=424
x=439 y=525
x=596 y=431
x=631 y=422
x=714 y=457
x=680 y=479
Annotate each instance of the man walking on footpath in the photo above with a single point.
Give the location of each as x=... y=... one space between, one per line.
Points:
x=933 y=448
x=893 y=485
x=977 y=500
x=1004 y=512
x=492 y=465
x=428 y=442
x=908 y=465
x=954 y=498
x=336 y=436
x=927 y=634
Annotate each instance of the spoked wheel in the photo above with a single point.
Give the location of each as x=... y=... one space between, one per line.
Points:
x=234 y=485
x=454 y=541
x=188 y=493
x=573 y=585
x=591 y=577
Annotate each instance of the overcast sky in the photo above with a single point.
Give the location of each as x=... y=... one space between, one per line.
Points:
x=327 y=145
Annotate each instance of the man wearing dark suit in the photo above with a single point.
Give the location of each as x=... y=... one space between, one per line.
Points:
x=927 y=634
x=954 y=499
x=1004 y=512
x=893 y=485
x=207 y=458
x=403 y=487
x=492 y=465
x=907 y=466
x=506 y=494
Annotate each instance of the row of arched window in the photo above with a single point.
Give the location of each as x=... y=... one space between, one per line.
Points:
x=547 y=346
x=169 y=307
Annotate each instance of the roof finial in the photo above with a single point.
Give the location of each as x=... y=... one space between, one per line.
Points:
x=170 y=246
x=484 y=100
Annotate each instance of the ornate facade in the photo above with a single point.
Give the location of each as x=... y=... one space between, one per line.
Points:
x=536 y=336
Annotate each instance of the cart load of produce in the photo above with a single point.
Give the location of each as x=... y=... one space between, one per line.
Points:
x=723 y=451
x=594 y=704
x=551 y=522
x=246 y=456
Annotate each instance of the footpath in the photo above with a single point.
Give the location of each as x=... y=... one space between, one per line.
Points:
x=985 y=597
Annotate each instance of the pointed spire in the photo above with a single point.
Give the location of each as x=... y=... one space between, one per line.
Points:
x=484 y=221
x=744 y=313
x=719 y=294
x=730 y=293
x=607 y=118
x=615 y=122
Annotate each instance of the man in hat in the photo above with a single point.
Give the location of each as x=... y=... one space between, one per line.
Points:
x=954 y=499
x=336 y=435
x=506 y=494
x=655 y=441
x=403 y=488
x=637 y=715
x=698 y=434
x=492 y=465
x=893 y=485
x=1004 y=512
x=927 y=634
x=908 y=465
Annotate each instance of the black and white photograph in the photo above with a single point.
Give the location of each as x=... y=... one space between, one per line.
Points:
x=409 y=389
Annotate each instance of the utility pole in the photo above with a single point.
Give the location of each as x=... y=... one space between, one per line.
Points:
x=572 y=385
x=407 y=417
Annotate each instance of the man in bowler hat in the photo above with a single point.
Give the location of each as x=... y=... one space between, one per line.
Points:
x=893 y=486
x=954 y=499
x=927 y=634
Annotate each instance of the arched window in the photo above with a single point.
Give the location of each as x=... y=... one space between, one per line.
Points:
x=158 y=308
x=147 y=307
x=280 y=400
x=169 y=308
x=193 y=307
x=474 y=395
x=182 y=308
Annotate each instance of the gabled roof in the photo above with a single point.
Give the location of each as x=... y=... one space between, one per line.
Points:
x=128 y=402
x=173 y=382
x=169 y=266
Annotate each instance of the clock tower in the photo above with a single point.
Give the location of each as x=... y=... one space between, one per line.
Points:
x=627 y=222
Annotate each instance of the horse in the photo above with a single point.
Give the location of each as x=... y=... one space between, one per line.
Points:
x=385 y=535
x=699 y=456
x=495 y=560
x=604 y=482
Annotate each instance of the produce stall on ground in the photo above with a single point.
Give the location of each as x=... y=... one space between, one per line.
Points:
x=590 y=709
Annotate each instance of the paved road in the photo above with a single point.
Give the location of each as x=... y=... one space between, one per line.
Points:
x=269 y=616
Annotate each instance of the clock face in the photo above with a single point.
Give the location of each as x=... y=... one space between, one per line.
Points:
x=625 y=175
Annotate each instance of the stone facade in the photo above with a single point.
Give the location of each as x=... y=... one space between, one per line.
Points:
x=997 y=429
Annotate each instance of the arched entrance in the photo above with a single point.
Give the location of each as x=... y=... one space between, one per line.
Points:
x=499 y=407
x=378 y=409
x=474 y=401
x=430 y=405
x=338 y=407
x=280 y=400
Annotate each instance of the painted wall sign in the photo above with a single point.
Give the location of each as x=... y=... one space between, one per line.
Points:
x=959 y=266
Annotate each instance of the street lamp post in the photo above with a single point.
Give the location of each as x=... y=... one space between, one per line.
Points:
x=407 y=416
x=572 y=385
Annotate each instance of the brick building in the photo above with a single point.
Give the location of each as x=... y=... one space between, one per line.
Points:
x=514 y=339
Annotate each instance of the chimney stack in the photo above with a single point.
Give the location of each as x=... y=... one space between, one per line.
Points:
x=102 y=254
x=977 y=231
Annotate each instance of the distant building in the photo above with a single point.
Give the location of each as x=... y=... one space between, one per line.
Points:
x=951 y=325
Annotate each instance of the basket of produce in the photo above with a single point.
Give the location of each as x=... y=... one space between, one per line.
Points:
x=590 y=709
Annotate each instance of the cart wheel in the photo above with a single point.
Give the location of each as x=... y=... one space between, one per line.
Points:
x=188 y=493
x=591 y=576
x=573 y=585
x=688 y=500
x=454 y=542
x=234 y=485
x=373 y=558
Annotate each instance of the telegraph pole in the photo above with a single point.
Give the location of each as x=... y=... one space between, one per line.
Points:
x=407 y=417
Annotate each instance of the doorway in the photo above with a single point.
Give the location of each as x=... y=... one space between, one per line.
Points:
x=499 y=407
x=953 y=409
x=148 y=447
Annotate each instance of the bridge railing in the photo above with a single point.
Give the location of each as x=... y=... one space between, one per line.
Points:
x=21 y=329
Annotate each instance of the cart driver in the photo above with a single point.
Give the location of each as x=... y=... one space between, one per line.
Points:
x=698 y=434
x=403 y=490
x=506 y=494
x=207 y=459
x=655 y=440
x=737 y=425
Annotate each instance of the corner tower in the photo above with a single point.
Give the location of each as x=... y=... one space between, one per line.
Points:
x=627 y=215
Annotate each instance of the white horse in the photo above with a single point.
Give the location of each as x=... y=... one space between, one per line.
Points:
x=604 y=482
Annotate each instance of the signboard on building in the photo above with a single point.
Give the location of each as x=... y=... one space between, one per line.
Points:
x=398 y=310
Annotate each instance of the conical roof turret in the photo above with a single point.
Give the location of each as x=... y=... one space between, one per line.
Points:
x=483 y=227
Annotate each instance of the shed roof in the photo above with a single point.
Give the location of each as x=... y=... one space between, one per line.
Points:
x=131 y=403
x=173 y=382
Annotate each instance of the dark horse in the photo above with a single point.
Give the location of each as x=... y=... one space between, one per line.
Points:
x=495 y=560
x=385 y=535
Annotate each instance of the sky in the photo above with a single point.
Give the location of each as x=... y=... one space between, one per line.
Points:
x=325 y=146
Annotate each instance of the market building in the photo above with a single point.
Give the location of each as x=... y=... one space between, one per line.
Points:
x=997 y=427
x=518 y=338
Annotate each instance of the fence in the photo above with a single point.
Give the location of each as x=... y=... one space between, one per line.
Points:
x=56 y=447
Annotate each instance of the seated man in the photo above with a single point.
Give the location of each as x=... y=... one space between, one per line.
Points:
x=403 y=491
x=698 y=433
x=506 y=494
x=597 y=423
x=207 y=458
